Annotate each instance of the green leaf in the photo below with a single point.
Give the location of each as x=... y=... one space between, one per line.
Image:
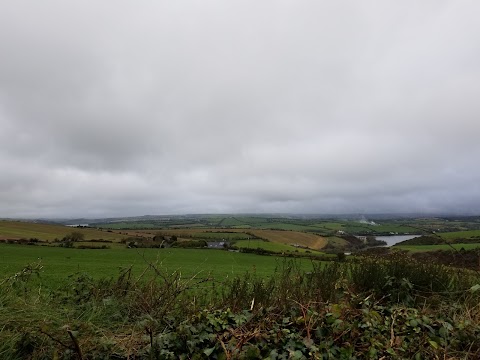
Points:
x=433 y=344
x=443 y=332
x=475 y=288
x=209 y=352
x=273 y=354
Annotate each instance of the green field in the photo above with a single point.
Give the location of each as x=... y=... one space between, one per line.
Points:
x=59 y=262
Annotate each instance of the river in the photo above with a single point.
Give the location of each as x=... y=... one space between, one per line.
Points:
x=395 y=239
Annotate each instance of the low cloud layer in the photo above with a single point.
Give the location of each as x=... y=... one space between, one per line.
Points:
x=117 y=108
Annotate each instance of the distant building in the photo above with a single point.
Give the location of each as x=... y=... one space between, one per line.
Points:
x=216 y=244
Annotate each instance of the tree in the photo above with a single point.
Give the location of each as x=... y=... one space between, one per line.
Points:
x=74 y=236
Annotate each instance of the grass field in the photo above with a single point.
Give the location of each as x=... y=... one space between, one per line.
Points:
x=27 y=230
x=59 y=262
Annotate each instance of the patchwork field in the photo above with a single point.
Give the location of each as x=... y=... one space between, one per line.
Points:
x=285 y=238
x=248 y=231
x=323 y=227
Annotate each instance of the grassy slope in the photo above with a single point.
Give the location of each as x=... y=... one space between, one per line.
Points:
x=19 y=229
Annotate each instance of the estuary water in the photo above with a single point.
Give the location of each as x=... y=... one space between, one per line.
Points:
x=394 y=239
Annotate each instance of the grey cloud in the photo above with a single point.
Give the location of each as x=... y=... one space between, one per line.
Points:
x=170 y=107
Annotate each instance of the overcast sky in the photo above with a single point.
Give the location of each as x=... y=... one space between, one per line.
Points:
x=115 y=108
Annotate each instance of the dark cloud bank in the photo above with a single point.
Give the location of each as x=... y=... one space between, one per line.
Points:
x=119 y=108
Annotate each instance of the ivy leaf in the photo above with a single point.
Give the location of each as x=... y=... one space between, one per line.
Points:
x=209 y=351
x=273 y=354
